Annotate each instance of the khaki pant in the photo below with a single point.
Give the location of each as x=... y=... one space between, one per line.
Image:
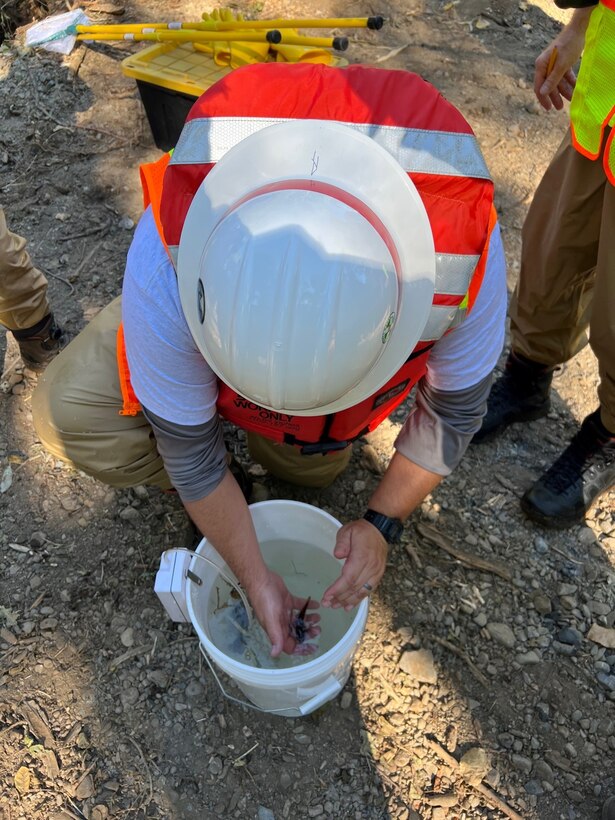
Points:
x=75 y=409
x=567 y=279
x=23 y=288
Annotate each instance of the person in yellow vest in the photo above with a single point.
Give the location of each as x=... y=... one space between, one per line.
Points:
x=24 y=306
x=320 y=241
x=566 y=283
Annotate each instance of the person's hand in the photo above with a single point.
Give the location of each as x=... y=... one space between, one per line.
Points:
x=275 y=609
x=552 y=88
x=365 y=551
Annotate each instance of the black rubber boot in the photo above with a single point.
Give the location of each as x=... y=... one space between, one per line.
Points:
x=520 y=394
x=39 y=344
x=585 y=470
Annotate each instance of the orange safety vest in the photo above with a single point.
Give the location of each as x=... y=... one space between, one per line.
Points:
x=431 y=141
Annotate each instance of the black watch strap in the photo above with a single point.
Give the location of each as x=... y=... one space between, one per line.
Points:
x=391 y=528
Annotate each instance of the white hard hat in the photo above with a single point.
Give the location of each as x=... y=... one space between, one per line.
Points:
x=306 y=267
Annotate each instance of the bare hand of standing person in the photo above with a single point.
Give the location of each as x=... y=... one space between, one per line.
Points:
x=554 y=79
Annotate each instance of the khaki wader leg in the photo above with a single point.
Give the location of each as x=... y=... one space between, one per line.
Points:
x=287 y=463
x=23 y=288
x=567 y=279
x=75 y=409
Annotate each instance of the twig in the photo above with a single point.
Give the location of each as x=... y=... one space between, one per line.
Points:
x=461 y=654
x=149 y=774
x=474 y=561
x=14 y=726
x=76 y=808
x=89 y=232
x=126 y=656
x=413 y=556
x=61 y=279
x=237 y=759
x=567 y=557
x=489 y=795
x=84 y=262
x=76 y=785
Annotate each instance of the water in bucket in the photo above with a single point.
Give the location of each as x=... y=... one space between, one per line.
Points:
x=306 y=572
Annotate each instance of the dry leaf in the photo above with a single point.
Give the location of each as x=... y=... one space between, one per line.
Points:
x=602 y=635
x=22 y=780
x=482 y=23
x=7 y=615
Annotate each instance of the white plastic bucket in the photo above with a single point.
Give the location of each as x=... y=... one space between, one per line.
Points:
x=295 y=691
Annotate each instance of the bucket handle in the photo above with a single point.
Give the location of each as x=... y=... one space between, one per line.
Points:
x=225 y=577
x=329 y=692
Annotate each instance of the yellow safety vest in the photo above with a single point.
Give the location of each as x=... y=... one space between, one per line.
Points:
x=593 y=103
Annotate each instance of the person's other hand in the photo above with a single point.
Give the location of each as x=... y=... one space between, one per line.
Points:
x=553 y=88
x=275 y=609
x=365 y=551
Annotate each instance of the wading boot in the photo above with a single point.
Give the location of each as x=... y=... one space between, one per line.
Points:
x=520 y=394
x=584 y=471
x=39 y=344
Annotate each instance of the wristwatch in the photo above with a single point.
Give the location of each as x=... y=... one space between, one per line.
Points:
x=391 y=528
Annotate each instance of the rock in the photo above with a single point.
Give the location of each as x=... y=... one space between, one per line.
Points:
x=502 y=634
x=286 y=780
x=70 y=504
x=131 y=515
x=542 y=603
x=534 y=787
x=542 y=771
x=445 y=801
x=215 y=765
x=419 y=664
x=346 y=700
x=99 y=812
x=194 y=689
x=158 y=677
x=569 y=635
x=85 y=789
x=528 y=658
x=608 y=681
x=128 y=637
x=523 y=764
x=129 y=696
x=38 y=539
x=265 y=814
x=474 y=765
x=563 y=648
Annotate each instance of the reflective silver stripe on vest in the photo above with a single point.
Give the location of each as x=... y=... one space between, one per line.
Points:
x=454 y=273
x=446 y=153
x=441 y=318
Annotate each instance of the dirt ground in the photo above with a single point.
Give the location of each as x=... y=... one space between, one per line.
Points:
x=475 y=692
